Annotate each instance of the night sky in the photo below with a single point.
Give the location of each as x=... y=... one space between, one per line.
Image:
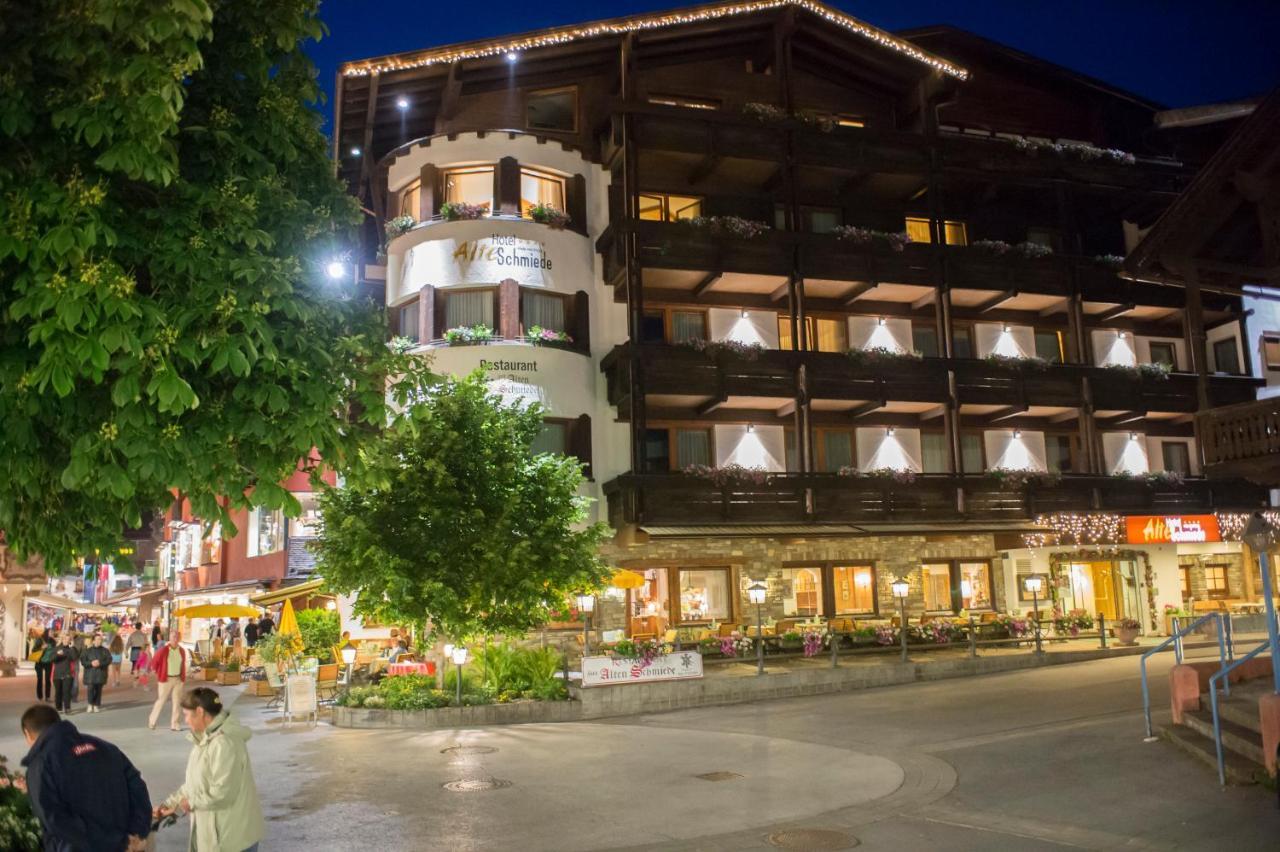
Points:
x=1175 y=52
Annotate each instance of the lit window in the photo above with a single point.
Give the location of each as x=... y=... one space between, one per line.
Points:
x=802 y=591
x=835 y=449
x=410 y=198
x=687 y=326
x=669 y=208
x=554 y=438
x=540 y=188
x=975 y=585
x=1176 y=456
x=937 y=587
x=307 y=524
x=854 y=589
x=1049 y=346
x=266 y=531
x=681 y=101
x=704 y=594
x=693 y=446
x=649 y=612
x=1215 y=581
x=918 y=230
x=468 y=308
x=553 y=109
x=1271 y=350
x=407 y=321
x=823 y=335
x=470 y=186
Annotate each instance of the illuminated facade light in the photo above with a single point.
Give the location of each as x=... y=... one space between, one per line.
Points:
x=890 y=431
x=402 y=103
x=881 y=321
x=355 y=152
x=1017 y=433
x=512 y=56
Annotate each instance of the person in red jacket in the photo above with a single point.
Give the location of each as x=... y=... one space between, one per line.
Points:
x=169 y=663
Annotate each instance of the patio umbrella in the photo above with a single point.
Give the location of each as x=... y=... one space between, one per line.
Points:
x=289 y=626
x=217 y=611
x=627 y=580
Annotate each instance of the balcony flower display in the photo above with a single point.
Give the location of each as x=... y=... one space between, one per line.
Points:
x=764 y=113
x=893 y=240
x=1018 y=478
x=881 y=356
x=1016 y=627
x=468 y=335
x=398 y=226
x=452 y=211
x=728 y=226
x=1111 y=261
x=999 y=248
x=1169 y=478
x=1073 y=622
x=645 y=651
x=539 y=336
x=736 y=348
x=555 y=219
x=1156 y=372
x=1076 y=151
x=730 y=474
x=902 y=476
x=1018 y=362
x=736 y=645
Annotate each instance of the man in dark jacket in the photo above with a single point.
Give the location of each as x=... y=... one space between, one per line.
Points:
x=85 y=792
x=251 y=633
x=65 y=656
x=265 y=626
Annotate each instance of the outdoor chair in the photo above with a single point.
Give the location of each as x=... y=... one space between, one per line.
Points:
x=275 y=682
x=728 y=628
x=327 y=683
x=642 y=637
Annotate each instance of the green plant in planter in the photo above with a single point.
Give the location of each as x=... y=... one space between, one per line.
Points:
x=468 y=335
x=231 y=666
x=398 y=226
x=452 y=211
x=19 y=829
x=550 y=216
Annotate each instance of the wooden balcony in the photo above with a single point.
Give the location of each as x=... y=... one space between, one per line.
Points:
x=678 y=499
x=1242 y=440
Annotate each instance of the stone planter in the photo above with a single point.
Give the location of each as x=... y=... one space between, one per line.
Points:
x=261 y=688
x=9 y=671
x=1126 y=635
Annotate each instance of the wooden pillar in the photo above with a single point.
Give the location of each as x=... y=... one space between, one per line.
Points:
x=631 y=259
x=1195 y=333
x=509 y=309
x=429 y=194
x=426 y=313
x=506 y=187
x=576 y=202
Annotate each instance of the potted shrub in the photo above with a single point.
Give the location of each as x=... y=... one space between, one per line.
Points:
x=791 y=641
x=468 y=335
x=452 y=211
x=230 y=674
x=1126 y=630
x=553 y=218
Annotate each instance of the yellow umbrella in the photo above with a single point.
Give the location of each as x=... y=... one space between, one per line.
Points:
x=217 y=611
x=289 y=626
x=627 y=580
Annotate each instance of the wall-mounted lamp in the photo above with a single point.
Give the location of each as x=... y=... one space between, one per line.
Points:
x=512 y=56
x=1120 y=334
x=890 y=431
x=744 y=313
x=1006 y=328
x=880 y=321
x=1133 y=436
x=1017 y=433
x=355 y=152
x=751 y=427
x=402 y=103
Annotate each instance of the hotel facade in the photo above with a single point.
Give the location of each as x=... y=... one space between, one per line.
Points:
x=819 y=306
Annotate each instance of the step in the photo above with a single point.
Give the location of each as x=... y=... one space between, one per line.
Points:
x=1238 y=769
x=1243 y=710
x=1237 y=738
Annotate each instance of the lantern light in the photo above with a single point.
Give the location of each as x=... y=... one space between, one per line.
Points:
x=586 y=601
x=459 y=655
x=756 y=592
x=402 y=103
x=348 y=654
x=900 y=588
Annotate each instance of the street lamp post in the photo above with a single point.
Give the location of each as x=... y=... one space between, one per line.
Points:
x=900 y=588
x=348 y=659
x=586 y=605
x=756 y=593
x=1258 y=535
x=459 y=657
x=1033 y=585
x=448 y=656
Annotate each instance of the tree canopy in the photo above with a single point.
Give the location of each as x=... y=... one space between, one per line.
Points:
x=167 y=210
x=459 y=524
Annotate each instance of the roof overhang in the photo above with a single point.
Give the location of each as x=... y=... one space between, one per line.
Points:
x=838 y=530
x=239 y=585
x=59 y=602
x=136 y=595
x=310 y=587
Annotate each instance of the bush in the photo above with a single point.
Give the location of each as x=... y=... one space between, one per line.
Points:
x=320 y=629
x=19 y=828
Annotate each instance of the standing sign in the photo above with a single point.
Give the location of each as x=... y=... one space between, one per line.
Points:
x=613 y=671
x=299 y=696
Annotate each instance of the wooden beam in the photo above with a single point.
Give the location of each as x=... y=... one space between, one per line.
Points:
x=704 y=168
x=1064 y=417
x=995 y=301
x=857 y=292
x=706 y=283
x=1065 y=304
x=452 y=92
x=711 y=405
x=1110 y=314
x=931 y=413
x=781 y=292
x=1006 y=413
x=366 y=145
x=786 y=410
x=866 y=408
x=1126 y=419
x=1235 y=317
x=926 y=299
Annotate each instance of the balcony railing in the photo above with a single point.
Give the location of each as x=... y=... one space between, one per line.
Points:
x=677 y=499
x=1243 y=440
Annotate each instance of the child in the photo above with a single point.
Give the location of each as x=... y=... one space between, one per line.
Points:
x=142 y=671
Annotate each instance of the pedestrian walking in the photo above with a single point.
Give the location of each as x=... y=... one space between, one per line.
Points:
x=218 y=790
x=155 y=634
x=170 y=666
x=251 y=633
x=44 y=644
x=265 y=626
x=137 y=642
x=143 y=676
x=65 y=656
x=233 y=630
x=117 y=658
x=96 y=662
x=84 y=791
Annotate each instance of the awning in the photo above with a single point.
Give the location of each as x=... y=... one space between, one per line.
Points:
x=310 y=587
x=204 y=591
x=860 y=529
x=136 y=595
x=59 y=602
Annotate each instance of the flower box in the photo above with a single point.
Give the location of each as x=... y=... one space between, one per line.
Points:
x=261 y=688
x=229 y=678
x=210 y=674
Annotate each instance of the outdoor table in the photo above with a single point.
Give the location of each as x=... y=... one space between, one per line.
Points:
x=410 y=668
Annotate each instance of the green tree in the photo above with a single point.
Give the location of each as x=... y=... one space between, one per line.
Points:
x=462 y=527
x=321 y=630
x=167 y=209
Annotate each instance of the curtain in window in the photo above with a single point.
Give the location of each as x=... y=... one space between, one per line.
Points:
x=472 y=307
x=693 y=446
x=933 y=452
x=552 y=439
x=791 y=451
x=542 y=309
x=838 y=450
x=407 y=322
x=687 y=325
x=829 y=335
x=540 y=189
x=971 y=453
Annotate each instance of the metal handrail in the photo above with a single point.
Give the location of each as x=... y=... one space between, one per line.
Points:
x=1213 y=703
x=1176 y=641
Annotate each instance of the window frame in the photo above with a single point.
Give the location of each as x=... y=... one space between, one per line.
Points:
x=1185 y=576
x=397 y=318
x=664 y=205
x=445 y=292
x=543 y=174
x=414 y=186
x=1184 y=446
x=567 y=303
x=253 y=547
x=1211 y=590
x=820 y=434
x=478 y=168
x=1235 y=356
x=530 y=94
x=1270 y=338
x=954 y=580
x=1163 y=344
x=961 y=226
x=827 y=601
x=668 y=320
x=676 y=606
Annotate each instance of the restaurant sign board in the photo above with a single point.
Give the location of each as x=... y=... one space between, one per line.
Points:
x=1171 y=529
x=614 y=671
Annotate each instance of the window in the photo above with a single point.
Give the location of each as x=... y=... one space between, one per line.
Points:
x=410 y=198
x=554 y=438
x=266 y=531
x=469 y=307
x=1271 y=350
x=961 y=343
x=693 y=446
x=802 y=591
x=1164 y=353
x=540 y=188
x=854 y=589
x=937 y=587
x=545 y=310
x=1215 y=581
x=1176 y=456
x=924 y=339
x=682 y=101
x=473 y=185
x=687 y=326
x=669 y=208
x=649 y=602
x=407 y=321
x=1045 y=237
x=704 y=594
x=835 y=449
x=975 y=585
x=918 y=230
x=971 y=453
x=790 y=450
x=1049 y=346
x=1184 y=572
x=1057 y=449
x=823 y=335
x=657 y=450
x=653 y=327
x=1226 y=358
x=552 y=109
x=307 y=524
x=933 y=452
x=820 y=220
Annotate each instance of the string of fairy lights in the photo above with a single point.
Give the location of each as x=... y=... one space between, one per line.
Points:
x=1093 y=528
x=640 y=23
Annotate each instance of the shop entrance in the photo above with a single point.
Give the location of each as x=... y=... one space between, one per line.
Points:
x=1105 y=587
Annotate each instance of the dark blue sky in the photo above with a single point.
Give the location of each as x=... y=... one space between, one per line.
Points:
x=1177 y=52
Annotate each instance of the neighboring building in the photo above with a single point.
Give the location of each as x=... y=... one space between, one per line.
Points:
x=762 y=380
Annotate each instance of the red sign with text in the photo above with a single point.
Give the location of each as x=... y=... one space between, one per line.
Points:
x=1171 y=529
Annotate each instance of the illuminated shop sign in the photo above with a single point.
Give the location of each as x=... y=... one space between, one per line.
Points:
x=1172 y=529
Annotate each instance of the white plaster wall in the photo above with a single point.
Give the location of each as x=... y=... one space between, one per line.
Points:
x=15 y=630
x=1230 y=331
x=1123 y=454
x=1265 y=318
x=868 y=333
x=1110 y=348
x=1179 y=351
x=756 y=447
x=1026 y=452
x=1155 y=453
x=1132 y=235
x=756 y=327
x=877 y=448
x=990 y=338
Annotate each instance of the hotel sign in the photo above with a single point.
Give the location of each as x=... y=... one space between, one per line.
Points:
x=1171 y=529
x=484 y=260
x=615 y=671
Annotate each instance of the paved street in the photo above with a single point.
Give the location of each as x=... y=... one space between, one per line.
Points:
x=1043 y=759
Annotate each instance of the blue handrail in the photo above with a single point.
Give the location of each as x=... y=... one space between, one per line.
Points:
x=1213 y=703
x=1176 y=641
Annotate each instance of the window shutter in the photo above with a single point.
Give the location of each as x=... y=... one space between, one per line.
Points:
x=580 y=443
x=506 y=186
x=509 y=309
x=576 y=201
x=429 y=193
x=581 y=321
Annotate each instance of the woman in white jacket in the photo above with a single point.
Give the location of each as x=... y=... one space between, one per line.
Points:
x=218 y=792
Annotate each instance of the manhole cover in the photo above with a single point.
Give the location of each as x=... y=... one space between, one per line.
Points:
x=475 y=785
x=718 y=776
x=462 y=750
x=812 y=839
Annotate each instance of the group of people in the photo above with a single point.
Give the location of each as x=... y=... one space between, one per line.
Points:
x=218 y=791
x=227 y=632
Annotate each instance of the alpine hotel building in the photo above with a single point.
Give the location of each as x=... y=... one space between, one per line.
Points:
x=818 y=305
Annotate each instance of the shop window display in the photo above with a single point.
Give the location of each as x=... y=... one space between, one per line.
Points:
x=801 y=591
x=704 y=594
x=854 y=589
